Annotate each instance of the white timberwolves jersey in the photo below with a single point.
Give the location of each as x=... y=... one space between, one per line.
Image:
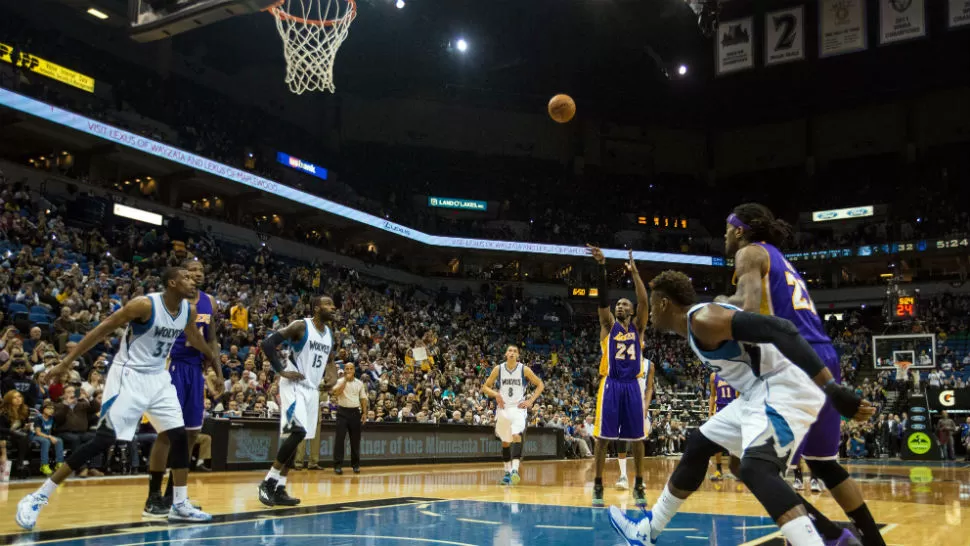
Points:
x=311 y=354
x=145 y=346
x=742 y=365
x=644 y=374
x=511 y=385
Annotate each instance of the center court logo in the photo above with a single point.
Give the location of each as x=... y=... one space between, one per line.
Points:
x=947 y=399
x=919 y=443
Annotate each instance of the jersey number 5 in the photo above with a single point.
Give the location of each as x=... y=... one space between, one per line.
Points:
x=317 y=361
x=625 y=351
x=800 y=299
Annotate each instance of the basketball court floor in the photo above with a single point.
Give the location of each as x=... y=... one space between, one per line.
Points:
x=463 y=505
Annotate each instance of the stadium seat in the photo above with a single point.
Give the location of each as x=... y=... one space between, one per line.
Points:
x=75 y=338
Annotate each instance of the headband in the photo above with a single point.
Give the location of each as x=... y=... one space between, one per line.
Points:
x=736 y=222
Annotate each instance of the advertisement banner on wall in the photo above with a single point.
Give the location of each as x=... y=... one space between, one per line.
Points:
x=959 y=14
x=901 y=20
x=733 y=47
x=842 y=27
x=785 y=36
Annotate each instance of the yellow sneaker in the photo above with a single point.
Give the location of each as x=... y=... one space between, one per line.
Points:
x=46 y=470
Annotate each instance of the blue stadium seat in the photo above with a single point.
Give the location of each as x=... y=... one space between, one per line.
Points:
x=38 y=318
x=76 y=338
x=40 y=310
x=16 y=307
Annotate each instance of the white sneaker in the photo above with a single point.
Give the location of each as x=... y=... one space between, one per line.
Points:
x=184 y=511
x=816 y=487
x=28 y=509
x=635 y=532
x=798 y=485
x=623 y=484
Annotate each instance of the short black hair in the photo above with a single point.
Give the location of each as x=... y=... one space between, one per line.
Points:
x=170 y=274
x=676 y=286
x=764 y=226
x=187 y=261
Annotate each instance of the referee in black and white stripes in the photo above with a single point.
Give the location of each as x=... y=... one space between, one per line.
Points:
x=351 y=396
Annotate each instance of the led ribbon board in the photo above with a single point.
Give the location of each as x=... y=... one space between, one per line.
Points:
x=177 y=155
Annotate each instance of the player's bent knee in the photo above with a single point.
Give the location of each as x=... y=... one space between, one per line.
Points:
x=764 y=479
x=831 y=473
x=690 y=471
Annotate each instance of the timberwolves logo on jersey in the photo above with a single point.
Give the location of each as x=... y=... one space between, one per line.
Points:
x=166 y=333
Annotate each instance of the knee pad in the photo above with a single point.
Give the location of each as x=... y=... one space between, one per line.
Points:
x=179 y=454
x=763 y=478
x=103 y=439
x=507 y=454
x=831 y=473
x=516 y=450
x=690 y=471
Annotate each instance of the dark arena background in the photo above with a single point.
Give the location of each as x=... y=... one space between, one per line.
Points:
x=420 y=182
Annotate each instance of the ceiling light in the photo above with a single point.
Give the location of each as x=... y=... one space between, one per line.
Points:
x=462 y=45
x=94 y=12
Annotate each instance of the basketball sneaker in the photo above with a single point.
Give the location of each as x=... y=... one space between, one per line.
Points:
x=156 y=507
x=282 y=498
x=636 y=532
x=623 y=483
x=716 y=476
x=28 y=509
x=515 y=477
x=816 y=487
x=184 y=511
x=267 y=492
x=640 y=496
x=798 y=484
x=598 y=495
x=845 y=539
x=507 y=479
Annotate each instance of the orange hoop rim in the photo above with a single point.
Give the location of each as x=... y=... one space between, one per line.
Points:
x=277 y=12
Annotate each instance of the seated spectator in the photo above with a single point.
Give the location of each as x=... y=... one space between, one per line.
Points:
x=72 y=418
x=43 y=436
x=16 y=429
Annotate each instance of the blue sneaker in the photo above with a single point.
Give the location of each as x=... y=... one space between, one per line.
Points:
x=28 y=509
x=515 y=477
x=636 y=532
x=507 y=479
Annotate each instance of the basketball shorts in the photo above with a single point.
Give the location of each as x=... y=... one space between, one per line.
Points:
x=770 y=420
x=619 y=410
x=509 y=422
x=822 y=441
x=299 y=405
x=129 y=394
x=190 y=386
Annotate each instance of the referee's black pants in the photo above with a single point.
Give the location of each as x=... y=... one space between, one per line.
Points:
x=348 y=420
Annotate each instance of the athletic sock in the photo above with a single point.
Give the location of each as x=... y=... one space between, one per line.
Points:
x=801 y=532
x=798 y=473
x=47 y=488
x=273 y=474
x=155 y=482
x=169 y=485
x=515 y=465
x=281 y=482
x=508 y=466
x=663 y=511
x=826 y=528
x=180 y=494
x=598 y=481
x=868 y=529
x=622 y=468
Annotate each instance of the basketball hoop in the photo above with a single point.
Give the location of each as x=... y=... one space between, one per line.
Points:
x=312 y=32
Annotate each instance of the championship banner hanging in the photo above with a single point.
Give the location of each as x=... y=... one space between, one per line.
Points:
x=785 y=36
x=959 y=14
x=901 y=20
x=734 y=46
x=842 y=27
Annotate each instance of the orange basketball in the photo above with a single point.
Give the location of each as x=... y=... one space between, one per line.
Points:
x=562 y=108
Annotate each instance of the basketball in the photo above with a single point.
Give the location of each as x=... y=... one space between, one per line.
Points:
x=562 y=108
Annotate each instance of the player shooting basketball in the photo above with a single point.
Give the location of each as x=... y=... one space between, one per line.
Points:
x=619 y=401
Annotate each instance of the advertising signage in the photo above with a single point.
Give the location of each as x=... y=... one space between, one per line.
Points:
x=460 y=204
x=300 y=165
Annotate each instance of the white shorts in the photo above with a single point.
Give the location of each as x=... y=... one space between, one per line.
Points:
x=299 y=405
x=771 y=418
x=509 y=422
x=129 y=394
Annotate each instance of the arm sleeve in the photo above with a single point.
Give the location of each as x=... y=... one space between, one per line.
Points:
x=269 y=346
x=781 y=333
x=604 y=296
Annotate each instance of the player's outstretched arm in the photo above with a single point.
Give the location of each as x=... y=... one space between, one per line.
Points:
x=212 y=338
x=489 y=390
x=643 y=300
x=603 y=309
x=294 y=331
x=139 y=309
x=749 y=266
x=713 y=325
x=537 y=392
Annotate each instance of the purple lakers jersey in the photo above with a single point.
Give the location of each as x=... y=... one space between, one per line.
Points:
x=724 y=392
x=621 y=353
x=784 y=294
x=181 y=350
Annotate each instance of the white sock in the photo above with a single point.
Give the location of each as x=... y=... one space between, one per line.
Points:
x=515 y=465
x=273 y=474
x=47 y=488
x=622 y=468
x=200 y=462
x=663 y=511
x=281 y=482
x=801 y=532
x=508 y=466
x=180 y=494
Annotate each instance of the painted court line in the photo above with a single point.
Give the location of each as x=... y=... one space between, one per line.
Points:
x=743 y=527
x=467 y=520
x=696 y=538
x=430 y=513
x=763 y=539
x=315 y=535
x=566 y=527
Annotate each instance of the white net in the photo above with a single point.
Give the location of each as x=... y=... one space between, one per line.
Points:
x=312 y=32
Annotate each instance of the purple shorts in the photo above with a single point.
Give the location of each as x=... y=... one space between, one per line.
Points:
x=822 y=440
x=619 y=410
x=190 y=387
